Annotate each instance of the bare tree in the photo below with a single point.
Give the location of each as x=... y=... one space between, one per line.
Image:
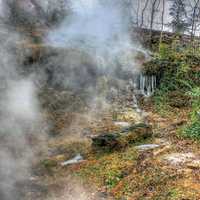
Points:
x=138 y=13
x=154 y=8
x=143 y=12
x=162 y=21
x=194 y=18
x=19 y=16
x=178 y=12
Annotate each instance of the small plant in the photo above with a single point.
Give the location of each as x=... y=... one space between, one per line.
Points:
x=174 y=194
x=164 y=51
x=109 y=169
x=112 y=178
x=195 y=95
x=193 y=129
x=48 y=165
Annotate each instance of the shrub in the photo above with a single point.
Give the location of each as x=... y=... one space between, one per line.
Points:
x=195 y=94
x=193 y=129
x=177 y=71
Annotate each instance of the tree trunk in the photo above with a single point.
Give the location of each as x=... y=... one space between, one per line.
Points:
x=153 y=10
x=162 y=22
x=143 y=11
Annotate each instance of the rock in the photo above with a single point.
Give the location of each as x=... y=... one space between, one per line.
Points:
x=194 y=164
x=145 y=147
x=140 y=127
x=137 y=132
x=130 y=116
x=122 y=138
x=77 y=159
x=122 y=124
x=179 y=158
x=108 y=140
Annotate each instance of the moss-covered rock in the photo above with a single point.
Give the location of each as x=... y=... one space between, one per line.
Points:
x=111 y=141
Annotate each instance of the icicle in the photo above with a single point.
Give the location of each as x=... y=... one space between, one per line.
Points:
x=145 y=84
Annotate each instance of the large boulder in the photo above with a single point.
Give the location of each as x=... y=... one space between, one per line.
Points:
x=108 y=141
x=126 y=136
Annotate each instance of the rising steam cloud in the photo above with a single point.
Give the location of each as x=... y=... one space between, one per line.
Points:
x=19 y=117
x=94 y=39
x=102 y=30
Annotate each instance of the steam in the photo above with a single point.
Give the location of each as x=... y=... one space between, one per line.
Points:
x=93 y=43
x=100 y=29
x=91 y=22
x=74 y=190
x=19 y=118
x=25 y=106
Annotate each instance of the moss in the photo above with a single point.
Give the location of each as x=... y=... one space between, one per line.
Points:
x=153 y=182
x=108 y=169
x=192 y=131
x=127 y=176
x=48 y=165
x=174 y=194
x=72 y=147
x=122 y=138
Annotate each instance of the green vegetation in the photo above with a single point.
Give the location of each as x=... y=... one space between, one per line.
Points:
x=193 y=129
x=178 y=69
x=127 y=175
x=109 y=169
x=47 y=165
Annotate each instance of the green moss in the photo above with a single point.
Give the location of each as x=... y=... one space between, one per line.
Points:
x=109 y=169
x=48 y=165
x=192 y=131
x=73 y=147
x=174 y=194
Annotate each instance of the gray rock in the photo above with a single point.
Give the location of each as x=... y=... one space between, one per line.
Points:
x=120 y=139
x=145 y=147
x=123 y=124
x=179 y=158
x=77 y=159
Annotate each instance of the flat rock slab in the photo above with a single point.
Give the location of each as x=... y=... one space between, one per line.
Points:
x=77 y=159
x=179 y=158
x=145 y=147
x=122 y=124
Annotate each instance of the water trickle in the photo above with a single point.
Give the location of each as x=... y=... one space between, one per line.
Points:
x=135 y=104
x=145 y=84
